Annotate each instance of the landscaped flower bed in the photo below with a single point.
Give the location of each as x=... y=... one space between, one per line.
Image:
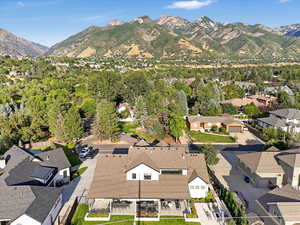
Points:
x=193 y=213
x=147 y=214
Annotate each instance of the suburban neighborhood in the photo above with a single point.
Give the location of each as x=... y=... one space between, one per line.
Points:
x=175 y=112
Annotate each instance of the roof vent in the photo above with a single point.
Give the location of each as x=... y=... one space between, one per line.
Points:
x=48 y=157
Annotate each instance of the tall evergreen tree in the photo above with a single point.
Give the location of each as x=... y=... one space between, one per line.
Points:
x=176 y=126
x=105 y=125
x=73 y=127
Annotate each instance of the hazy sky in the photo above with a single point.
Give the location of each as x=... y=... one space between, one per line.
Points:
x=50 y=21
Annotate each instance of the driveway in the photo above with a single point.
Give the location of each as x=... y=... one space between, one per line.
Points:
x=230 y=176
x=247 y=138
x=81 y=184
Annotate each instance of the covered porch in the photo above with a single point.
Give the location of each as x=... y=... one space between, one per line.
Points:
x=173 y=207
x=147 y=210
x=123 y=207
x=100 y=206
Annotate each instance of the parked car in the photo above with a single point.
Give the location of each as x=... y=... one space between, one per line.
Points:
x=247 y=179
x=84 y=152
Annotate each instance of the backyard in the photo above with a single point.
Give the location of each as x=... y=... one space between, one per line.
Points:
x=132 y=128
x=210 y=138
x=78 y=219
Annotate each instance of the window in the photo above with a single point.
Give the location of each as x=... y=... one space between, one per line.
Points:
x=196 y=187
x=202 y=187
x=191 y=187
x=65 y=173
x=133 y=176
x=172 y=171
x=147 y=176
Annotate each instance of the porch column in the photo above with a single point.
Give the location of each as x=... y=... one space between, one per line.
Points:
x=159 y=208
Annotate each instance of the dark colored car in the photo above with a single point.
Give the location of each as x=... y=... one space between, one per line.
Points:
x=247 y=179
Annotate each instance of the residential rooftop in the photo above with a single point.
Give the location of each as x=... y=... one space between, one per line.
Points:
x=110 y=175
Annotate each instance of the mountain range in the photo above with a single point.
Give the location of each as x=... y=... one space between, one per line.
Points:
x=172 y=37
x=290 y=30
x=10 y=44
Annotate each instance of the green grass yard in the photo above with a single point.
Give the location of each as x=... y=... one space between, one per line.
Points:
x=72 y=157
x=78 y=172
x=82 y=209
x=210 y=138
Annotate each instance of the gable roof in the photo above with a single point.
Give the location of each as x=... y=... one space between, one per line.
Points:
x=287 y=113
x=168 y=186
x=284 y=194
x=162 y=143
x=142 y=158
x=275 y=122
x=193 y=176
x=54 y=158
x=20 y=194
x=272 y=149
x=210 y=119
x=291 y=159
x=261 y=162
x=142 y=143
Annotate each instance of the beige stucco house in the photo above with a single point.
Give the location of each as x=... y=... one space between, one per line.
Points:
x=262 y=168
x=280 y=206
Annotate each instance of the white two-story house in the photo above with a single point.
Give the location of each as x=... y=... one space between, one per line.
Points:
x=148 y=183
x=285 y=119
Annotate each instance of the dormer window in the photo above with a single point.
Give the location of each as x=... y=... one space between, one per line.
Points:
x=133 y=176
x=147 y=176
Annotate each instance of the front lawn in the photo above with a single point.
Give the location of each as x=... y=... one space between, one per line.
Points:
x=128 y=128
x=197 y=136
x=131 y=128
x=72 y=157
x=82 y=209
x=78 y=172
x=169 y=220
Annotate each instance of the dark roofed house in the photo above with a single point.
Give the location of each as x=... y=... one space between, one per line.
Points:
x=285 y=119
x=27 y=192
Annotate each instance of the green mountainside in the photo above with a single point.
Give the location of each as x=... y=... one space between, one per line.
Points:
x=172 y=37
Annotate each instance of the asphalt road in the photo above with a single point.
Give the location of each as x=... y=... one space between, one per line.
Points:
x=123 y=149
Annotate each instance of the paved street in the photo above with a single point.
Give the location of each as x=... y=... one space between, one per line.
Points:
x=230 y=176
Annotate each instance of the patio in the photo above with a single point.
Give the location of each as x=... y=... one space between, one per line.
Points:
x=100 y=206
x=123 y=207
x=147 y=209
x=209 y=213
x=173 y=207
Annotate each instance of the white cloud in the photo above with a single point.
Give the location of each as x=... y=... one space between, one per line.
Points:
x=194 y=4
x=284 y=1
x=20 y=4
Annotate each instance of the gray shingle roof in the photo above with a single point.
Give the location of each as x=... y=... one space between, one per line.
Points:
x=54 y=158
x=19 y=193
x=275 y=122
x=287 y=113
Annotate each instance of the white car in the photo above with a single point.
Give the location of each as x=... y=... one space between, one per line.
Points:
x=84 y=152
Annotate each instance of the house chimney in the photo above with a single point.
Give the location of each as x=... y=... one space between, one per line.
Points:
x=2 y=163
